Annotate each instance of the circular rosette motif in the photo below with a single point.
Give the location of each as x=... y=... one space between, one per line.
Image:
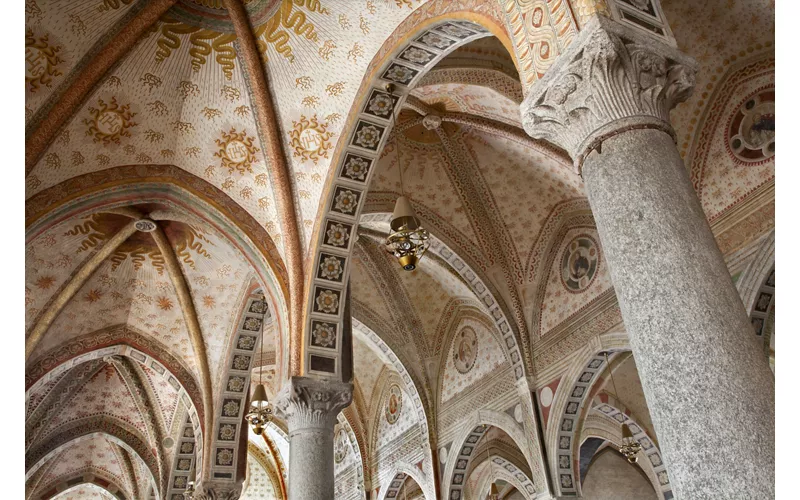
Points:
x=579 y=263
x=340 y=447
x=328 y=302
x=394 y=404
x=324 y=335
x=465 y=350
x=331 y=268
x=751 y=131
x=381 y=105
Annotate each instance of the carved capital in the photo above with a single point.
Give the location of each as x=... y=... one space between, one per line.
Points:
x=306 y=402
x=610 y=79
x=212 y=490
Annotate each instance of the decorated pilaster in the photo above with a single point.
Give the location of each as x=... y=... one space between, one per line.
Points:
x=310 y=407
x=710 y=392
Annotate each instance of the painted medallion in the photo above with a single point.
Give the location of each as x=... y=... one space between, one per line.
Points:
x=751 y=130
x=394 y=404
x=465 y=350
x=340 y=446
x=579 y=263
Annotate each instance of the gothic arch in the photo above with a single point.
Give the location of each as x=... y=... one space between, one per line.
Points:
x=462 y=448
x=508 y=471
x=449 y=34
x=568 y=401
x=463 y=311
x=355 y=444
x=613 y=409
x=395 y=481
x=481 y=287
x=407 y=380
x=756 y=273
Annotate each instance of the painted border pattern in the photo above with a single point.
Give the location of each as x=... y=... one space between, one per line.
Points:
x=568 y=423
x=234 y=390
x=648 y=445
x=184 y=462
x=371 y=130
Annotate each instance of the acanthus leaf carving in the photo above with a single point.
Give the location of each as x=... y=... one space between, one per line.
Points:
x=307 y=402
x=213 y=490
x=611 y=79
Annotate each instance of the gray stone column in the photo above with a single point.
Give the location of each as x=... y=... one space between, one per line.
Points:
x=310 y=408
x=709 y=389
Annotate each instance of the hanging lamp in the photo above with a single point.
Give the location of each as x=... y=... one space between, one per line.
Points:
x=260 y=413
x=630 y=447
x=188 y=494
x=408 y=240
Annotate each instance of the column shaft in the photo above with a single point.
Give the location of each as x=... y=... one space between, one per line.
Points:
x=311 y=463
x=310 y=408
x=708 y=386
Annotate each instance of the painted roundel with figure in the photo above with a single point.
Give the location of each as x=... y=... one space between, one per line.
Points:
x=579 y=263
x=340 y=446
x=394 y=404
x=465 y=350
x=751 y=131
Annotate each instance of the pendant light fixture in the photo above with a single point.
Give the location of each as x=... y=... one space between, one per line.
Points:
x=188 y=494
x=630 y=447
x=408 y=240
x=260 y=413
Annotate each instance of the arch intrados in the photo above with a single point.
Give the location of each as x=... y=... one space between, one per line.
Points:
x=471 y=425
x=402 y=472
x=368 y=336
x=501 y=473
x=360 y=458
x=589 y=360
x=409 y=32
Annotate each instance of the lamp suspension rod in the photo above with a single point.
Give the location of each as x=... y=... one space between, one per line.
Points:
x=390 y=89
x=611 y=374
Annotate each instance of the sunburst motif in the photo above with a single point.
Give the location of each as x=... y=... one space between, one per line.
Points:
x=45 y=282
x=93 y=295
x=164 y=303
x=237 y=152
x=310 y=139
x=41 y=61
x=109 y=122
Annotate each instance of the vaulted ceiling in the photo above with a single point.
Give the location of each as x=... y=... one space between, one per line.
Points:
x=150 y=110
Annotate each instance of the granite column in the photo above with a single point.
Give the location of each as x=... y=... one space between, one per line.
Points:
x=708 y=387
x=310 y=408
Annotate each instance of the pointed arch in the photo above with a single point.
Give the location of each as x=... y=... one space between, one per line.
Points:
x=463 y=446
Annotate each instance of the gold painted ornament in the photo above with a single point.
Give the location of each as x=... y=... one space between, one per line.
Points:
x=109 y=122
x=310 y=139
x=237 y=151
x=41 y=61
